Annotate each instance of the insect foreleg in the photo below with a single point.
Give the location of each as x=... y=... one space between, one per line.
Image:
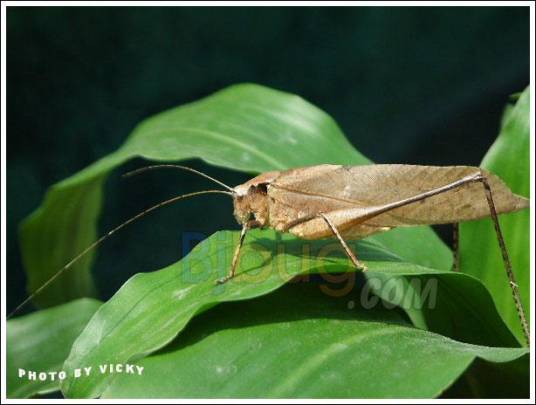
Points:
x=247 y=226
x=349 y=253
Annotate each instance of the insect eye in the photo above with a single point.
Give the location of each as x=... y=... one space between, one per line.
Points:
x=263 y=188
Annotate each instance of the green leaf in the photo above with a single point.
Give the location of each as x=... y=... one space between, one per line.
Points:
x=236 y=128
x=40 y=342
x=301 y=343
x=152 y=308
x=244 y=127
x=479 y=250
x=419 y=245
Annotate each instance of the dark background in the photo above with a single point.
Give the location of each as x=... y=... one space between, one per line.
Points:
x=407 y=85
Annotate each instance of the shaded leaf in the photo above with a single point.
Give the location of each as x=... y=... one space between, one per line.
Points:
x=432 y=252
x=40 y=342
x=299 y=342
x=151 y=309
x=493 y=380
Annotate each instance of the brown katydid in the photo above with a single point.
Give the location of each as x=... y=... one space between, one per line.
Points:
x=355 y=202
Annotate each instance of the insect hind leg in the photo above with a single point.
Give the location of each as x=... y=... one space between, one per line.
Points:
x=479 y=177
x=456 y=247
x=506 y=259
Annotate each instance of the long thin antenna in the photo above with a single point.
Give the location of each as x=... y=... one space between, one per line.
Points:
x=170 y=166
x=106 y=236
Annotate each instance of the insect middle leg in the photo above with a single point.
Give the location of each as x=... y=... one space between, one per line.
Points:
x=349 y=253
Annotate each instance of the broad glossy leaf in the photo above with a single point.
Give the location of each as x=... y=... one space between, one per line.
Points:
x=431 y=251
x=479 y=250
x=40 y=342
x=244 y=127
x=151 y=309
x=301 y=343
